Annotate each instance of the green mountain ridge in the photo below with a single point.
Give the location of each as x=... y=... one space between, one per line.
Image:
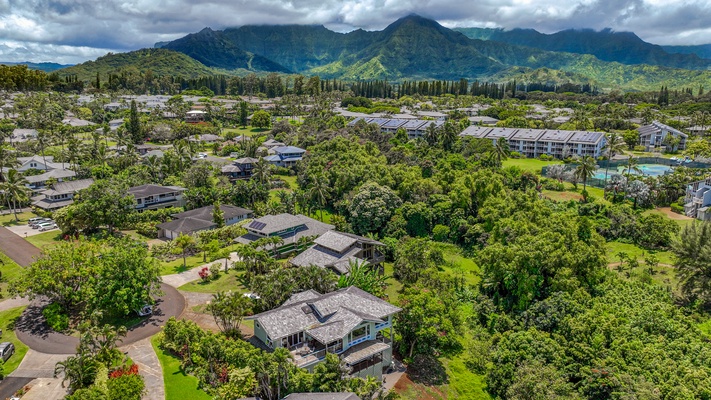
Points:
x=701 y=50
x=410 y=48
x=159 y=61
x=43 y=66
x=213 y=49
x=606 y=45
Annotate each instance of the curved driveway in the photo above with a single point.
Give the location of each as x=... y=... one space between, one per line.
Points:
x=33 y=331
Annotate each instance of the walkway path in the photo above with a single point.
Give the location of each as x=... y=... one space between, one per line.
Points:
x=13 y=303
x=180 y=279
x=18 y=249
x=142 y=353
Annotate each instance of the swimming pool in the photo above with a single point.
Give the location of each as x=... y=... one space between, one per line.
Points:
x=646 y=169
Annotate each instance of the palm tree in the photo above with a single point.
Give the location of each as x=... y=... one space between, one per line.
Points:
x=633 y=165
x=15 y=189
x=7 y=160
x=262 y=170
x=154 y=166
x=585 y=170
x=614 y=145
x=501 y=150
x=319 y=192
x=184 y=243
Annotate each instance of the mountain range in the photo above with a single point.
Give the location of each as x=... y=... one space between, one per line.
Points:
x=418 y=48
x=623 y=47
x=44 y=66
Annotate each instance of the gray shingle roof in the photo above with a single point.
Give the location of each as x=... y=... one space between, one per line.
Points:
x=153 y=190
x=205 y=213
x=72 y=186
x=54 y=173
x=336 y=241
x=186 y=225
x=361 y=351
x=345 y=305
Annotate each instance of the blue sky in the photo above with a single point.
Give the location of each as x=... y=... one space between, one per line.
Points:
x=73 y=31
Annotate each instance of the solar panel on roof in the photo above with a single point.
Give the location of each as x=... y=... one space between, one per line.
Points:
x=257 y=225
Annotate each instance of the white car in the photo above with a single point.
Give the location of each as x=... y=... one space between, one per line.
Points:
x=145 y=310
x=252 y=296
x=47 y=226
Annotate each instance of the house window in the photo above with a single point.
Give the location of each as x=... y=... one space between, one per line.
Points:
x=360 y=332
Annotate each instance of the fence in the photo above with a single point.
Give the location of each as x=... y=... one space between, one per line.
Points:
x=612 y=165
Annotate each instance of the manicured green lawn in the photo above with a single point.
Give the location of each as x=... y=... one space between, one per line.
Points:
x=45 y=239
x=248 y=131
x=10 y=271
x=178 y=384
x=290 y=180
x=176 y=266
x=9 y=219
x=529 y=164
x=7 y=324
x=226 y=282
x=613 y=248
x=705 y=327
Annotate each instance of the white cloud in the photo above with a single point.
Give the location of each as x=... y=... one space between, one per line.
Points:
x=76 y=30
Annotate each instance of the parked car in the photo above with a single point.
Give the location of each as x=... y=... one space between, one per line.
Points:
x=252 y=296
x=47 y=226
x=145 y=310
x=35 y=219
x=36 y=224
x=7 y=349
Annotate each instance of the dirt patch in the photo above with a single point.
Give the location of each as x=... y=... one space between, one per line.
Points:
x=562 y=196
x=672 y=215
x=404 y=384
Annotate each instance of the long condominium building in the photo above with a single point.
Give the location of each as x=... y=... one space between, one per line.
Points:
x=535 y=142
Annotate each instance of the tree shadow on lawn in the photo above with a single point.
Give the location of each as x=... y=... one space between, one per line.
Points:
x=427 y=370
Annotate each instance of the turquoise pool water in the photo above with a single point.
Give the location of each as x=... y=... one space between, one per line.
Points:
x=646 y=169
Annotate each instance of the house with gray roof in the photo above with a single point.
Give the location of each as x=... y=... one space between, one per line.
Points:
x=337 y=250
x=655 y=135
x=201 y=219
x=348 y=322
x=240 y=168
x=285 y=156
x=153 y=197
x=23 y=135
x=60 y=195
x=291 y=228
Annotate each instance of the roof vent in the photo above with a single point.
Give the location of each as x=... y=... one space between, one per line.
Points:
x=307 y=310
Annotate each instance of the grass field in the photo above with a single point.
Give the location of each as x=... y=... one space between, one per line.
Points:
x=229 y=281
x=248 y=131
x=9 y=219
x=681 y=220
x=461 y=265
x=178 y=384
x=176 y=266
x=45 y=239
x=394 y=287
x=613 y=248
x=10 y=271
x=528 y=164
x=7 y=324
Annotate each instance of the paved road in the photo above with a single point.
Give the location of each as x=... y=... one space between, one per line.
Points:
x=33 y=331
x=17 y=248
x=38 y=365
x=10 y=385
